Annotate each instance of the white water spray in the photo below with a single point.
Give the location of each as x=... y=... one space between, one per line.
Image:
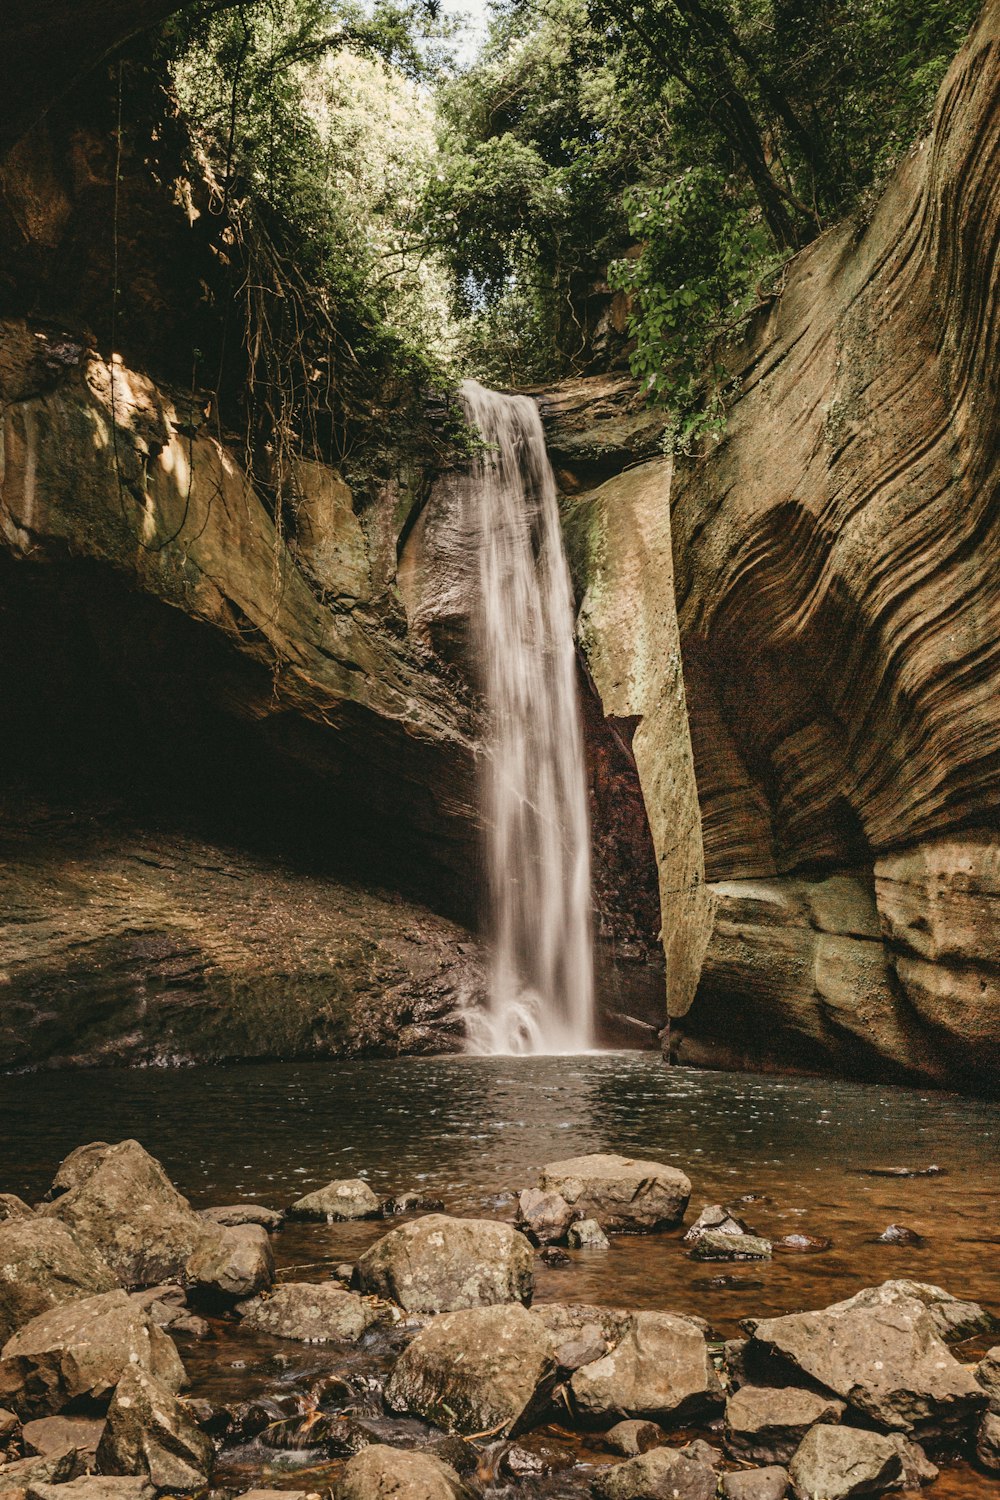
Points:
x=534 y=789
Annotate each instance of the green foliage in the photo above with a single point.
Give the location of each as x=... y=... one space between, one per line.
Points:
x=682 y=148
x=314 y=118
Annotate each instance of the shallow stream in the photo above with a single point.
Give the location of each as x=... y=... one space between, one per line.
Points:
x=471 y=1130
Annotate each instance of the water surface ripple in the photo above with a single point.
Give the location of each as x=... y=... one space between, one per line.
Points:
x=469 y=1129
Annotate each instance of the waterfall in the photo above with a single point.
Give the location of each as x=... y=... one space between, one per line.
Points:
x=533 y=781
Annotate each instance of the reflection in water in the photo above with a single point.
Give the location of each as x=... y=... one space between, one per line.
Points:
x=467 y=1129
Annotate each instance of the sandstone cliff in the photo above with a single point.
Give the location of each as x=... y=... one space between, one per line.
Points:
x=836 y=575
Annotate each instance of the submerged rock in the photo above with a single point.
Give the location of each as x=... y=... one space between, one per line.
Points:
x=230 y=1216
x=660 y=1474
x=719 y=1220
x=728 y=1244
x=587 y=1234
x=41 y=1266
x=411 y=1203
x=149 y=1432
x=439 y=1264
x=661 y=1369
x=931 y=1171
x=801 y=1244
x=482 y=1369
x=881 y=1352
x=898 y=1234
x=621 y=1193
x=766 y=1424
x=382 y=1473
x=81 y=1349
x=313 y=1312
x=544 y=1217
x=347 y=1198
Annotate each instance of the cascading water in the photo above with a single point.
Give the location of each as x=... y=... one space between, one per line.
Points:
x=534 y=789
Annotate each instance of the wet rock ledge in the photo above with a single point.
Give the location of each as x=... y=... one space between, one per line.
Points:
x=444 y=1381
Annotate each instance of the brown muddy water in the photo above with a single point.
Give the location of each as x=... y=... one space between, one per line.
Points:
x=473 y=1131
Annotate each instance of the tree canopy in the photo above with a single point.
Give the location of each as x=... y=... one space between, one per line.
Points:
x=402 y=218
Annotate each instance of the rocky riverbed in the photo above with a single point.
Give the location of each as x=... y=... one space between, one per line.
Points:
x=153 y=1348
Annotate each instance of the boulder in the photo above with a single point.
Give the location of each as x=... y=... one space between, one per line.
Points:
x=482 y=1369
x=766 y=1424
x=77 y=1167
x=727 y=1244
x=237 y=1262
x=9 y=1424
x=544 y=1217
x=987 y=1374
x=312 y=1312
x=702 y=1452
x=988 y=1442
x=953 y=1319
x=587 y=1234
x=232 y=1215
x=801 y=1244
x=47 y=1435
x=620 y=1192
x=661 y=1369
x=660 y=1474
x=770 y=1483
x=13 y=1207
x=381 y=1473
x=832 y=1463
x=348 y=1198
x=122 y=1204
x=148 y=1432
x=718 y=1219
x=634 y=1436
x=101 y=1487
x=167 y=1306
x=42 y=1265
x=439 y=1264
x=581 y=1333
x=80 y=1349
x=411 y=1203
x=45 y=1468
x=881 y=1352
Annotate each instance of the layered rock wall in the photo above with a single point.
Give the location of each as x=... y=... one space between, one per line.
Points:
x=836 y=574
x=175 y=653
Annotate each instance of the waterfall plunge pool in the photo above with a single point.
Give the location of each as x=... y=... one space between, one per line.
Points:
x=470 y=1129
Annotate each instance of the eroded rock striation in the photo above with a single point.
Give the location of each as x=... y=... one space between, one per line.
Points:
x=815 y=725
